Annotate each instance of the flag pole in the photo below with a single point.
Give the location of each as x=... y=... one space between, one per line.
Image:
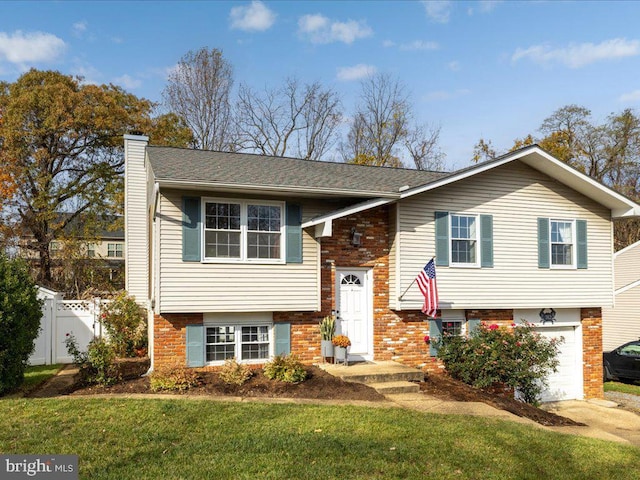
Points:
x=411 y=284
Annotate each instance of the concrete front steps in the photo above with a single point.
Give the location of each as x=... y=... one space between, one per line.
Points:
x=386 y=377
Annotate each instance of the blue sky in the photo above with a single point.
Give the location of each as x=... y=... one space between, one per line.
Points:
x=491 y=69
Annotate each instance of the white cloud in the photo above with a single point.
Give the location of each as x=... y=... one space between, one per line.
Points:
x=255 y=17
x=388 y=44
x=89 y=73
x=355 y=72
x=579 y=55
x=79 y=28
x=319 y=29
x=454 y=66
x=484 y=6
x=21 y=48
x=631 y=97
x=438 y=10
x=127 y=82
x=441 y=95
x=420 y=45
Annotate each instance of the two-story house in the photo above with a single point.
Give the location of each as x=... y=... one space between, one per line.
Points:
x=241 y=255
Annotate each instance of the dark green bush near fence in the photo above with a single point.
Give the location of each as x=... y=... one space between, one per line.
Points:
x=20 y=314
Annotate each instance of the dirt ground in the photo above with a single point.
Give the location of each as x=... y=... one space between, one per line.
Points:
x=322 y=386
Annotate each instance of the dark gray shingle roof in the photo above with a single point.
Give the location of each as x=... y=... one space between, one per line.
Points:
x=207 y=167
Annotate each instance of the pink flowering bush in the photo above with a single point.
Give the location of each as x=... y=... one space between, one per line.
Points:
x=517 y=357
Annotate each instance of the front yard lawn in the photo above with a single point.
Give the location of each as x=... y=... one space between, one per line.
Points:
x=203 y=439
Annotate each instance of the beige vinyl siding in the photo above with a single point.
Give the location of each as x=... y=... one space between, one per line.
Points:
x=232 y=287
x=622 y=323
x=136 y=241
x=516 y=195
x=627 y=266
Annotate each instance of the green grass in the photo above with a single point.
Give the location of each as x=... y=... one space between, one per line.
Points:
x=37 y=375
x=201 y=439
x=622 y=387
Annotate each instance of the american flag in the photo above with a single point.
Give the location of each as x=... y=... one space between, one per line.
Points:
x=426 y=280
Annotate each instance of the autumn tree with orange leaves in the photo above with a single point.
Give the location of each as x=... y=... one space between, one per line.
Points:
x=61 y=150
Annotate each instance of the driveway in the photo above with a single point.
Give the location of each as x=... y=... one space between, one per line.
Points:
x=604 y=420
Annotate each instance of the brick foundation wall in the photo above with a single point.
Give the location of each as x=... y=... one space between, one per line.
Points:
x=170 y=338
x=591 y=319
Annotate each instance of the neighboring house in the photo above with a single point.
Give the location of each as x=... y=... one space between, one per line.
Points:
x=106 y=247
x=621 y=323
x=242 y=255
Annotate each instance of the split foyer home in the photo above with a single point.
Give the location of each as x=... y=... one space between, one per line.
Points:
x=241 y=255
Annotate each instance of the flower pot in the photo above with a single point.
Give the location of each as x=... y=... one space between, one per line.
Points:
x=327 y=348
x=340 y=354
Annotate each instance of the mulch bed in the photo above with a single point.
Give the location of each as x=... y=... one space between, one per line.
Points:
x=320 y=385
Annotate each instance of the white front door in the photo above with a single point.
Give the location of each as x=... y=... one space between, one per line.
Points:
x=353 y=308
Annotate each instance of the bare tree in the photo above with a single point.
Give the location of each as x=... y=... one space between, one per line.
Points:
x=291 y=120
x=198 y=91
x=380 y=123
x=422 y=144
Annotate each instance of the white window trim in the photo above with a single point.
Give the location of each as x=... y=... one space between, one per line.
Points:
x=477 y=263
x=574 y=245
x=454 y=316
x=115 y=249
x=238 y=340
x=243 y=231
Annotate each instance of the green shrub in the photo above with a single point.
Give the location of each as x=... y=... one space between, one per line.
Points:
x=234 y=373
x=517 y=357
x=20 y=314
x=126 y=324
x=174 y=377
x=97 y=364
x=286 y=369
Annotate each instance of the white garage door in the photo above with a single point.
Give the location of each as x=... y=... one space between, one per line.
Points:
x=566 y=383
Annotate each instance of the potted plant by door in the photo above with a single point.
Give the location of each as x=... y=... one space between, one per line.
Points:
x=340 y=345
x=327 y=329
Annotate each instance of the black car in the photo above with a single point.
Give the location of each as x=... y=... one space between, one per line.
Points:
x=623 y=362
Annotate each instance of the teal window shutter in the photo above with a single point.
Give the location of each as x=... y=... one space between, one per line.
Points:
x=442 y=239
x=435 y=333
x=294 y=233
x=486 y=241
x=191 y=229
x=472 y=325
x=581 y=235
x=543 y=243
x=282 y=334
x=195 y=345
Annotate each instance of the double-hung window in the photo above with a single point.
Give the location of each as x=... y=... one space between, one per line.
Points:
x=115 y=250
x=243 y=230
x=562 y=241
x=242 y=342
x=464 y=240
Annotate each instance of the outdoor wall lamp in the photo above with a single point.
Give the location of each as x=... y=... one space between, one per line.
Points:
x=356 y=237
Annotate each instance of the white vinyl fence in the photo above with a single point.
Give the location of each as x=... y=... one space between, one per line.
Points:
x=62 y=317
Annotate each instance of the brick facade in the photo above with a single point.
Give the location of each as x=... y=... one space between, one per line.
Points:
x=591 y=319
x=170 y=336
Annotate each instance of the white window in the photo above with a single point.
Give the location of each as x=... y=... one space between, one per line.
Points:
x=562 y=242
x=464 y=240
x=91 y=250
x=114 y=250
x=243 y=231
x=243 y=342
x=452 y=327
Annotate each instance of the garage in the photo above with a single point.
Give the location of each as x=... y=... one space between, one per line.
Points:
x=567 y=382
